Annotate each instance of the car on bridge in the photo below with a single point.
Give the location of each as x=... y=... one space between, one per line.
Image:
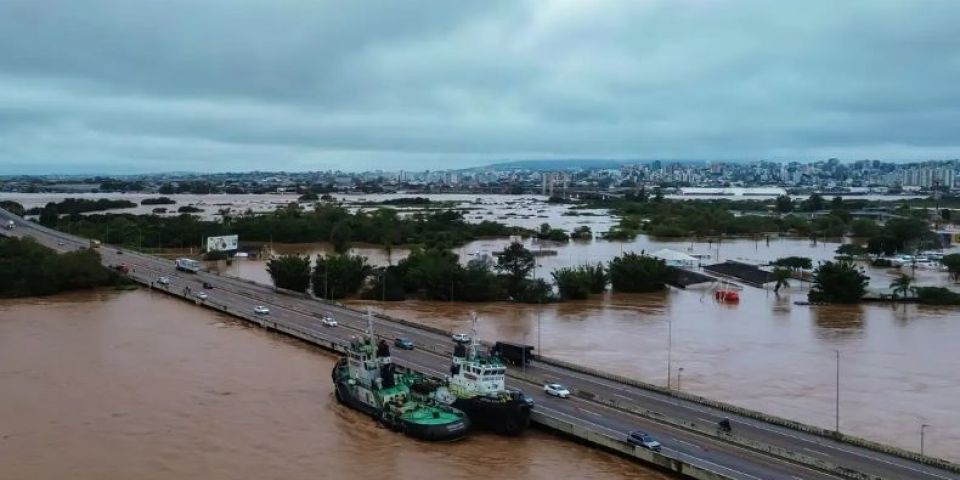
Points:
x=165 y=281
x=403 y=343
x=556 y=390
x=122 y=268
x=261 y=310
x=201 y=295
x=460 y=338
x=328 y=321
x=643 y=439
x=208 y=285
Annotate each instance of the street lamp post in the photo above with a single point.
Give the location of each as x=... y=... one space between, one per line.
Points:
x=679 y=374
x=923 y=428
x=837 y=403
x=669 y=352
x=523 y=354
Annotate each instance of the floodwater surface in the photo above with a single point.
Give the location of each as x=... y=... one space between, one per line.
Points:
x=109 y=385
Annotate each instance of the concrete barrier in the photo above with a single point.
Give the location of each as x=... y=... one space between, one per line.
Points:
x=710 y=430
x=756 y=415
x=617 y=445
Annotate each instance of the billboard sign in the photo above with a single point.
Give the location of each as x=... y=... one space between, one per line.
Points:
x=222 y=244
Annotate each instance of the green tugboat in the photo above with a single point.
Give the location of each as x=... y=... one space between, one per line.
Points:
x=367 y=380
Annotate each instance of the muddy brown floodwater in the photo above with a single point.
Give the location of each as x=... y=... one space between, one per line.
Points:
x=900 y=367
x=109 y=385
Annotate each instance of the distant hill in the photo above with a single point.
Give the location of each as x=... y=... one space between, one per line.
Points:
x=556 y=164
x=564 y=164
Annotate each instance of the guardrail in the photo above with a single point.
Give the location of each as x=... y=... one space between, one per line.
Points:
x=617 y=445
x=753 y=414
x=712 y=432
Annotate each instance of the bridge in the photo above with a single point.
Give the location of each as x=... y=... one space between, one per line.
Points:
x=602 y=409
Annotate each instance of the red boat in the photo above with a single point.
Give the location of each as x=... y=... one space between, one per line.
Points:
x=727 y=296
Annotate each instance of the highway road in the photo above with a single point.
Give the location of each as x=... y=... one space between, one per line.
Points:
x=432 y=356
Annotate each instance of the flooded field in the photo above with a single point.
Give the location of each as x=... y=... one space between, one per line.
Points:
x=137 y=385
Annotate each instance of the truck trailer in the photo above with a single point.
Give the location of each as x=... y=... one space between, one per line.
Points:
x=513 y=353
x=188 y=265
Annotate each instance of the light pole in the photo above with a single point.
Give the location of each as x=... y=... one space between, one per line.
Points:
x=523 y=354
x=669 y=351
x=679 y=374
x=536 y=275
x=923 y=427
x=838 y=393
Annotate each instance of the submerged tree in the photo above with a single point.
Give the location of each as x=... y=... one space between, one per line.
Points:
x=516 y=262
x=632 y=273
x=291 y=272
x=573 y=283
x=952 y=262
x=838 y=282
x=782 y=276
x=340 y=275
x=902 y=286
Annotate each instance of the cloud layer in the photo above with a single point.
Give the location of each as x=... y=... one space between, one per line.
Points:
x=119 y=86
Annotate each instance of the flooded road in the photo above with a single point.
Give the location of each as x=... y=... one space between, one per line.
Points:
x=899 y=366
x=112 y=385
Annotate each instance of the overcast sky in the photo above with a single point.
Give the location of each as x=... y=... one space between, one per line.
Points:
x=123 y=86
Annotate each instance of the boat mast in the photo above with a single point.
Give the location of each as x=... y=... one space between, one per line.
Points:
x=474 y=341
x=369 y=323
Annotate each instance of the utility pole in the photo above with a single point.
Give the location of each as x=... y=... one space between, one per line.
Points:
x=536 y=278
x=923 y=428
x=679 y=374
x=523 y=355
x=669 y=352
x=837 y=429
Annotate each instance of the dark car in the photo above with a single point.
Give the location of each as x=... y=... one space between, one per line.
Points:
x=643 y=439
x=403 y=344
x=207 y=285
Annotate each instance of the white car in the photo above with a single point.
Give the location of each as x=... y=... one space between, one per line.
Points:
x=328 y=321
x=201 y=295
x=643 y=439
x=556 y=390
x=261 y=310
x=460 y=338
x=163 y=281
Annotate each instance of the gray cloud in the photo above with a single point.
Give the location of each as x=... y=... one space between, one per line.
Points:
x=111 y=85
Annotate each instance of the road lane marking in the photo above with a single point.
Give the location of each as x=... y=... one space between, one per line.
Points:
x=817 y=452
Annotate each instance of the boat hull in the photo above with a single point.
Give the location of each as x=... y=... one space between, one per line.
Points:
x=508 y=417
x=431 y=432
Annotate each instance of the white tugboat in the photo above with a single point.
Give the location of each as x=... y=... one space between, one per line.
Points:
x=478 y=388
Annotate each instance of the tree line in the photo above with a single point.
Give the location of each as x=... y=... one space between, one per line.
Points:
x=433 y=273
x=50 y=212
x=289 y=224
x=906 y=229
x=31 y=269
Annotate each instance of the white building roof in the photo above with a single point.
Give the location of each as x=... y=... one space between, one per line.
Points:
x=673 y=256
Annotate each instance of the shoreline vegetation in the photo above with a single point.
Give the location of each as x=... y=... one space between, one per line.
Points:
x=33 y=270
x=436 y=274
x=433 y=272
